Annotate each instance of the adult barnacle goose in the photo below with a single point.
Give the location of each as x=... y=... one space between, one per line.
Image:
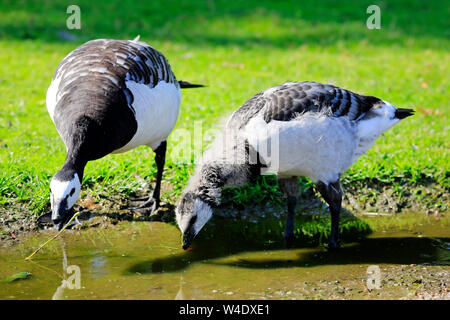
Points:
x=294 y=129
x=110 y=96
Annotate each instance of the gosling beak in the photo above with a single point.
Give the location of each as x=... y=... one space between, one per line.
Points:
x=188 y=236
x=403 y=113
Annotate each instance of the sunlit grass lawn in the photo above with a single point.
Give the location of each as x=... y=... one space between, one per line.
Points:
x=237 y=49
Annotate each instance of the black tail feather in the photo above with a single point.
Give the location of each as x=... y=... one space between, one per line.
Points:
x=403 y=113
x=186 y=85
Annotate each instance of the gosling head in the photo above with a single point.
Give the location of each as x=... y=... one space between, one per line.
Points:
x=381 y=118
x=192 y=213
x=65 y=188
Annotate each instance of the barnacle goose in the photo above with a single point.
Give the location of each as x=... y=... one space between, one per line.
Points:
x=110 y=96
x=290 y=130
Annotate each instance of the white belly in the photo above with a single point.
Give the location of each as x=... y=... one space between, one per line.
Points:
x=156 y=113
x=312 y=145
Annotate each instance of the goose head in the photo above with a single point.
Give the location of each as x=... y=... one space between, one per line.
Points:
x=192 y=213
x=65 y=188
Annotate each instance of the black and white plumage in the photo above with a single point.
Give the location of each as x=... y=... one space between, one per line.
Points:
x=110 y=96
x=286 y=101
x=294 y=129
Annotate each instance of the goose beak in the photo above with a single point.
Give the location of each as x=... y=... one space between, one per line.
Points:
x=62 y=218
x=59 y=213
x=61 y=223
x=188 y=236
x=403 y=113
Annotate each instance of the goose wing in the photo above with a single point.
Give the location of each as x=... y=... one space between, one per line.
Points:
x=107 y=64
x=89 y=91
x=286 y=101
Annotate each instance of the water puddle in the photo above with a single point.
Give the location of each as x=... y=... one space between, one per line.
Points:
x=144 y=260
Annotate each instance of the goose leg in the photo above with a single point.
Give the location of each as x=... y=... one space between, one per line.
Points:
x=290 y=188
x=332 y=194
x=153 y=200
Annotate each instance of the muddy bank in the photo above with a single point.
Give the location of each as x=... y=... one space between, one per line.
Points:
x=359 y=198
x=405 y=282
x=429 y=198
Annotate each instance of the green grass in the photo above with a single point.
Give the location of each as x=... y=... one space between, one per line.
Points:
x=237 y=48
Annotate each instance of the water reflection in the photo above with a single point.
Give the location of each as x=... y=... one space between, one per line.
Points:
x=71 y=278
x=99 y=265
x=188 y=291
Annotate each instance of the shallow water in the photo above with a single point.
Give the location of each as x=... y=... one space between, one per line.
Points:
x=144 y=260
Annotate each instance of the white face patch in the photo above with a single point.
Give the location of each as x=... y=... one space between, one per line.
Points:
x=182 y=223
x=60 y=190
x=383 y=120
x=204 y=213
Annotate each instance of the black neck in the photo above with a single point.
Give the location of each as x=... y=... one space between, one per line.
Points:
x=215 y=176
x=74 y=163
x=211 y=180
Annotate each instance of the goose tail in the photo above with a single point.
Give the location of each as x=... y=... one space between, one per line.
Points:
x=403 y=113
x=187 y=85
